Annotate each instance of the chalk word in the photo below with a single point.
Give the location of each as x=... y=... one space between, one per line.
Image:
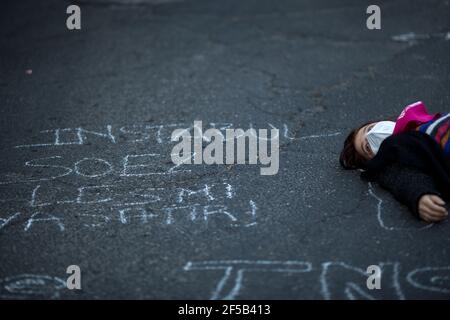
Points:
x=166 y=215
x=413 y=38
x=135 y=133
x=338 y=280
x=230 y=284
x=132 y=165
x=213 y=153
x=114 y=203
x=25 y=286
x=116 y=196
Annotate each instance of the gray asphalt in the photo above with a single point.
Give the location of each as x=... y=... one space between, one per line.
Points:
x=74 y=193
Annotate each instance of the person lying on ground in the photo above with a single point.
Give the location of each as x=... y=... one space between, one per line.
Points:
x=409 y=157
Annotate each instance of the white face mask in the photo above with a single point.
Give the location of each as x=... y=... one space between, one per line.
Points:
x=380 y=131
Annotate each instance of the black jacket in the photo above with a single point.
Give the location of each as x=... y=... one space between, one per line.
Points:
x=410 y=165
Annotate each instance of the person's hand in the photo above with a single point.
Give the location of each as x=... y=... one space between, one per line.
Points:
x=431 y=208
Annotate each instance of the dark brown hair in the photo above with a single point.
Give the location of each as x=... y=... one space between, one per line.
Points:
x=349 y=158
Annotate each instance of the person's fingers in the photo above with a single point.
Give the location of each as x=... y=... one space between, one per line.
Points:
x=430 y=209
x=436 y=209
x=437 y=219
x=424 y=217
x=424 y=213
x=430 y=219
x=430 y=215
x=437 y=199
x=426 y=201
x=440 y=203
x=423 y=209
x=425 y=204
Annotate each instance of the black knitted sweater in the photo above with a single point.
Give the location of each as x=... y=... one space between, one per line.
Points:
x=410 y=165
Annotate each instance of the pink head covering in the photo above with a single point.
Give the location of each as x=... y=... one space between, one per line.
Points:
x=413 y=116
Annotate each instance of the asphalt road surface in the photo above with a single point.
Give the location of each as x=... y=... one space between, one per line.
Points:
x=86 y=176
